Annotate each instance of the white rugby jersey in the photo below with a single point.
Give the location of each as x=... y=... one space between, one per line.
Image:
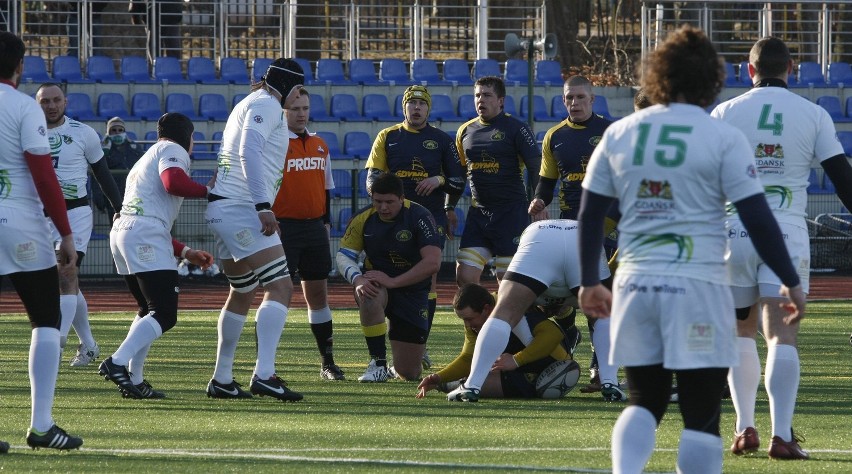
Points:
x=788 y=135
x=672 y=169
x=145 y=194
x=73 y=147
x=22 y=127
x=262 y=112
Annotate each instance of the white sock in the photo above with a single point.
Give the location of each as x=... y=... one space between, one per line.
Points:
x=607 y=372
x=67 y=307
x=522 y=331
x=743 y=381
x=81 y=322
x=699 y=453
x=490 y=343
x=142 y=333
x=270 y=318
x=230 y=327
x=319 y=316
x=633 y=439
x=782 y=385
x=136 y=365
x=43 y=367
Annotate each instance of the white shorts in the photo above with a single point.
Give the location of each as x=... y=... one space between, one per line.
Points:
x=749 y=276
x=682 y=323
x=25 y=244
x=548 y=253
x=237 y=229
x=141 y=244
x=82 y=224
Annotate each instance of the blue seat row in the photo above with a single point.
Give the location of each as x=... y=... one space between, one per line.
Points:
x=148 y=106
x=805 y=74
x=835 y=108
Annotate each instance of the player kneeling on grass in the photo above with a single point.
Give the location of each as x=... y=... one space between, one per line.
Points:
x=516 y=372
x=403 y=250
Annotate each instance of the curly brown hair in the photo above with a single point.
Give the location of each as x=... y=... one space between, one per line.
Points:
x=685 y=68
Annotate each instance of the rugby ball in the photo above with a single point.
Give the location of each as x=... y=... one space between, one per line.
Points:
x=557 y=379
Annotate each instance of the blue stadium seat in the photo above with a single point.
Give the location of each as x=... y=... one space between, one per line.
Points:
x=330 y=71
x=217 y=143
x=509 y=106
x=743 y=76
x=426 y=71
x=814 y=185
x=363 y=71
x=517 y=72
x=237 y=99
x=101 y=69
x=202 y=71
x=35 y=70
x=457 y=71
x=150 y=136
x=182 y=103
x=135 y=69
x=486 y=67
x=828 y=186
x=832 y=105
x=319 y=112
x=146 y=106
x=460 y=227
x=362 y=184
x=394 y=70
x=334 y=151
x=80 y=107
x=342 y=183
x=839 y=72
x=397 y=107
x=234 y=71
x=376 y=107
x=307 y=70
x=846 y=141
x=811 y=73
x=167 y=68
x=357 y=145
x=201 y=177
x=343 y=218
x=442 y=109
x=467 y=107
x=213 y=107
x=259 y=67
x=539 y=137
x=344 y=107
x=540 y=112
x=557 y=108
x=601 y=107
x=200 y=151
x=731 y=79
x=548 y=72
x=112 y=104
x=67 y=69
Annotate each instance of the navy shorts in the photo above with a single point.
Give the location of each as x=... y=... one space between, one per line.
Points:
x=408 y=315
x=306 y=247
x=498 y=230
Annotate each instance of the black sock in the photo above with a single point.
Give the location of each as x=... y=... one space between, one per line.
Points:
x=323 y=335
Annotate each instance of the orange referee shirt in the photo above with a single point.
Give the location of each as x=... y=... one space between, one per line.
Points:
x=306 y=177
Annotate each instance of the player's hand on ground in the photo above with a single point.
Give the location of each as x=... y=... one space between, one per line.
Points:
x=66 y=257
x=429 y=382
x=268 y=223
x=366 y=288
x=426 y=186
x=796 y=305
x=595 y=301
x=452 y=223
x=505 y=362
x=200 y=258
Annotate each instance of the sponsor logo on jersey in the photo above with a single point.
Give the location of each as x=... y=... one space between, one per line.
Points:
x=595 y=140
x=769 y=158
x=258 y=119
x=487 y=165
x=305 y=164
x=403 y=235
x=430 y=145
x=497 y=136
x=398 y=260
x=654 y=200
x=41 y=131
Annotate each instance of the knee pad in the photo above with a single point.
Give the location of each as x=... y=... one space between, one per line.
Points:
x=274 y=270
x=473 y=256
x=243 y=283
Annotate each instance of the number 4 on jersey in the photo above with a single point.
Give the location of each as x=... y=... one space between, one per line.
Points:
x=777 y=125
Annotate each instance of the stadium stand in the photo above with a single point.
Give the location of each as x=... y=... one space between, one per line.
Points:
x=167 y=68
x=217 y=142
x=457 y=71
x=146 y=106
x=467 y=108
x=442 y=109
x=35 y=70
x=201 y=177
x=846 y=141
x=319 y=112
x=742 y=74
x=330 y=72
x=832 y=105
x=397 y=107
x=811 y=73
x=237 y=99
x=67 y=69
x=334 y=150
x=213 y=107
x=425 y=71
x=517 y=72
x=112 y=104
x=548 y=73
x=201 y=70
x=839 y=73
x=357 y=144
x=601 y=107
x=101 y=69
x=362 y=184
x=486 y=67
x=393 y=70
x=345 y=107
x=509 y=105
x=259 y=67
x=135 y=69
x=557 y=108
x=363 y=72
x=80 y=107
x=342 y=183
x=200 y=151
x=343 y=218
x=376 y=107
x=234 y=70
x=540 y=112
x=150 y=138
x=306 y=68
x=182 y=103
x=731 y=79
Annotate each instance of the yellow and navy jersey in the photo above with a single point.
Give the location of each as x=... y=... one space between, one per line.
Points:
x=545 y=348
x=414 y=155
x=495 y=154
x=566 y=150
x=393 y=246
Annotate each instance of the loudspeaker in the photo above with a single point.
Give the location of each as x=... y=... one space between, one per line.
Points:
x=514 y=45
x=547 y=45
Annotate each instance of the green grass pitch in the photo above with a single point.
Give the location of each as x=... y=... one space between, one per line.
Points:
x=348 y=426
